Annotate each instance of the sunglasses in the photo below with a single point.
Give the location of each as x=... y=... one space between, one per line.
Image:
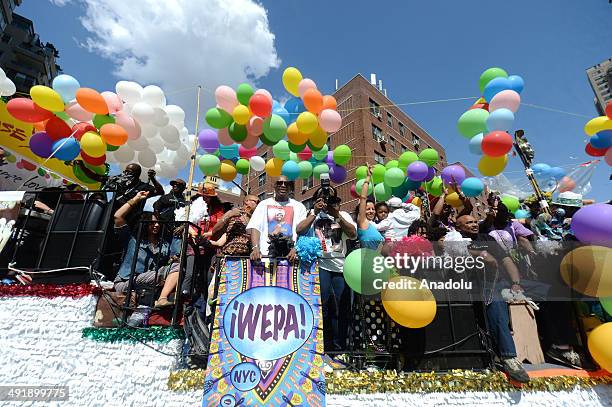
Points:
x=286 y=183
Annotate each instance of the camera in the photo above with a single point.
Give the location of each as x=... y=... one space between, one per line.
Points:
x=329 y=194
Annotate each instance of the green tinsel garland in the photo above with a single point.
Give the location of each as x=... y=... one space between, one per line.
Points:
x=127 y=334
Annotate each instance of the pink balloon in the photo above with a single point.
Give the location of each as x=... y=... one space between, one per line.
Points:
x=250 y=141
x=224 y=137
x=226 y=98
x=507 y=99
x=304 y=85
x=265 y=93
x=354 y=193
x=74 y=110
x=112 y=101
x=247 y=152
x=130 y=125
x=566 y=184
x=608 y=157
x=255 y=125
x=330 y=120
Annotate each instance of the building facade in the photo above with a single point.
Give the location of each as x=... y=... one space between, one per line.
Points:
x=600 y=78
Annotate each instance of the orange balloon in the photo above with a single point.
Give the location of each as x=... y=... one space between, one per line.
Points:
x=40 y=126
x=329 y=102
x=90 y=100
x=295 y=136
x=113 y=134
x=313 y=100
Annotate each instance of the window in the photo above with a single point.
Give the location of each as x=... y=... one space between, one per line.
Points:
x=261 y=180
x=308 y=182
x=401 y=128
x=374 y=108
x=403 y=149
x=265 y=156
x=389 y=119
x=392 y=144
x=379 y=158
x=376 y=132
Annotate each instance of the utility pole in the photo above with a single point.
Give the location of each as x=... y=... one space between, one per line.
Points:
x=526 y=154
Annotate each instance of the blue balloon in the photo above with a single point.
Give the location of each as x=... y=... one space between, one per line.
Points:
x=556 y=173
x=495 y=86
x=472 y=187
x=603 y=139
x=475 y=144
x=291 y=170
x=229 y=152
x=66 y=86
x=540 y=168
x=283 y=113
x=500 y=119
x=521 y=214
x=412 y=185
x=516 y=83
x=66 y=149
x=294 y=107
x=275 y=104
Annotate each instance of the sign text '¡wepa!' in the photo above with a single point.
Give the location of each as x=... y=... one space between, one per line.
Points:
x=267 y=321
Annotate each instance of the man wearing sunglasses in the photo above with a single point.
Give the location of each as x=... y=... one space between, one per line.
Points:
x=279 y=215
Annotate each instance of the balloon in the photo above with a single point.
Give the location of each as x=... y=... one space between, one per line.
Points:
x=417 y=201
x=227 y=171
x=209 y=164
x=274 y=167
x=281 y=150
x=329 y=102
x=500 y=119
x=599 y=345
x=154 y=96
x=216 y=118
x=521 y=214
x=475 y=144
x=296 y=148
x=143 y=112
x=305 y=169
x=257 y=163
x=511 y=202
x=595 y=152
x=66 y=149
x=247 y=153
x=291 y=80
x=452 y=174
x=361 y=172
x=295 y=136
x=490 y=74
x=305 y=154
x=27 y=111
x=453 y=200
x=320 y=169
x=354 y=192
x=408 y=304
x=93 y=160
x=75 y=111
x=130 y=92
x=506 y=99
x=100 y=120
x=161 y=118
x=294 y=107
x=322 y=153
x=435 y=187
x=230 y=152
x=586 y=269
x=495 y=86
x=112 y=101
x=307 y=122
x=47 y=98
x=382 y=192
x=342 y=154
x=403 y=189
x=359 y=187
x=237 y=132
x=241 y=114
x=492 y=166
x=274 y=127
x=608 y=157
x=260 y=105
x=56 y=129
x=81 y=128
x=242 y=166
x=41 y=144
x=597 y=124
x=593 y=224
x=557 y=173
x=124 y=155
x=541 y=169
x=176 y=115
x=317 y=139
x=361 y=270
x=392 y=164
x=473 y=122
x=603 y=139
x=169 y=134
x=113 y=134
x=337 y=174
x=282 y=112
x=606 y=304
x=394 y=177
x=516 y=83
x=472 y=187
x=226 y=98
x=330 y=120
x=147 y=158
x=66 y=86
x=429 y=156
x=305 y=85
x=92 y=144
x=313 y=100
x=431 y=173
x=407 y=158
x=378 y=173
x=90 y=100
x=496 y=144
x=244 y=92
x=291 y=170
x=566 y=184
x=255 y=125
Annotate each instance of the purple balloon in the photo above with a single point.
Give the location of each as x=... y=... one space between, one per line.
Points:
x=417 y=171
x=41 y=144
x=337 y=174
x=208 y=140
x=431 y=173
x=329 y=160
x=453 y=171
x=593 y=224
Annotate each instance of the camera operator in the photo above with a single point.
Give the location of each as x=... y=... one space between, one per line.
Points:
x=333 y=228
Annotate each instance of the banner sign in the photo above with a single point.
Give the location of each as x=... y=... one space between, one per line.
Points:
x=19 y=174
x=267 y=338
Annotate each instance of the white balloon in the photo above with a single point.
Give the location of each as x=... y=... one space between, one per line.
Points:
x=139 y=144
x=3 y=76
x=173 y=146
x=147 y=158
x=175 y=113
x=7 y=87
x=130 y=92
x=156 y=144
x=161 y=117
x=257 y=163
x=124 y=154
x=148 y=131
x=165 y=170
x=169 y=134
x=154 y=96
x=143 y=112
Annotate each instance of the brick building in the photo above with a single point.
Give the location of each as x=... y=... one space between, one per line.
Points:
x=600 y=78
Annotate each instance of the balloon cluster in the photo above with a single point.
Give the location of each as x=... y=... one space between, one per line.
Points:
x=297 y=131
x=487 y=122
x=133 y=124
x=7 y=87
x=550 y=178
x=599 y=130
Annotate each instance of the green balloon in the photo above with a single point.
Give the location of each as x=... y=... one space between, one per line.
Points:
x=429 y=156
x=294 y=148
x=242 y=166
x=320 y=169
x=378 y=173
x=244 y=93
x=435 y=187
x=274 y=127
x=111 y=148
x=281 y=150
x=473 y=122
x=264 y=139
x=209 y=164
x=98 y=169
x=511 y=202
x=342 y=154
x=293 y=157
x=63 y=116
x=100 y=120
x=394 y=177
x=80 y=175
x=606 y=303
x=237 y=132
x=392 y=164
x=490 y=74
x=362 y=268
x=218 y=118
x=407 y=158
x=305 y=169
x=361 y=172
x=359 y=186
x=382 y=192
x=322 y=153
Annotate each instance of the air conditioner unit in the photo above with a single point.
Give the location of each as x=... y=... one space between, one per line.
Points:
x=415 y=142
x=379 y=116
x=304 y=188
x=381 y=138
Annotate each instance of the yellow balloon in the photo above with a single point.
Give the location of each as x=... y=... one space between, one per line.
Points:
x=318 y=138
x=416 y=201
x=492 y=166
x=291 y=79
x=307 y=122
x=241 y=114
x=227 y=171
x=587 y=270
x=93 y=145
x=407 y=303
x=599 y=342
x=274 y=167
x=295 y=136
x=453 y=200
x=47 y=98
x=597 y=124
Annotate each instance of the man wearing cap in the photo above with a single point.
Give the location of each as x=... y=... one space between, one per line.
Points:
x=167 y=204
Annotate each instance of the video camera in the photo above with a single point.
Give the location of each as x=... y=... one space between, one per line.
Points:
x=325 y=191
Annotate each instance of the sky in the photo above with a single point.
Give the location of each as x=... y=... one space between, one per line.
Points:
x=422 y=51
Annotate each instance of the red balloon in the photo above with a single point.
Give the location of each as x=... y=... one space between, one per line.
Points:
x=260 y=105
x=609 y=110
x=56 y=128
x=28 y=165
x=484 y=106
x=595 y=152
x=496 y=143
x=93 y=160
x=27 y=111
x=81 y=128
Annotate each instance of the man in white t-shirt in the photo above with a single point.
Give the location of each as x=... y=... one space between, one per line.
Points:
x=274 y=216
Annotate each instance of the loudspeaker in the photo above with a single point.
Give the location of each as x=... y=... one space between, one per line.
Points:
x=68 y=213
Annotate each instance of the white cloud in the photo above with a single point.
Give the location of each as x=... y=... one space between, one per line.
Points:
x=60 y=3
